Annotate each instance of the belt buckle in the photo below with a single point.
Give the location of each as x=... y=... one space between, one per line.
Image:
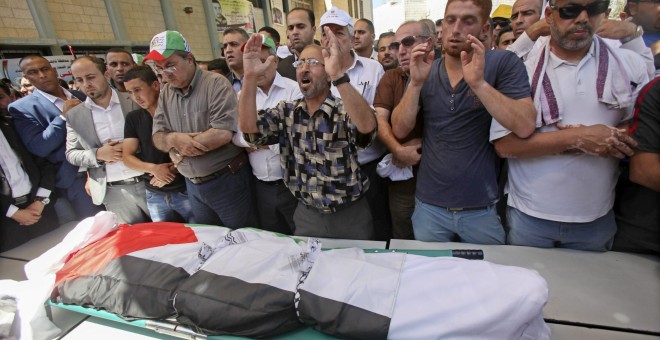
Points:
x=455 y=209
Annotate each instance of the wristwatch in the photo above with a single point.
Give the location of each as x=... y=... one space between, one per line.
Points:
x=341 y=80
x=43 y=200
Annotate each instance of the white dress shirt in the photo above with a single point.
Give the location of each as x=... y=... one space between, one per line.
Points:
x=57 y=101
x=266 y=165
x=17 y=178
x=109 y=125
x=365 y=74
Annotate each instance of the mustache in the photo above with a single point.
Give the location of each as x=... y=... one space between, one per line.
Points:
x=581 y=27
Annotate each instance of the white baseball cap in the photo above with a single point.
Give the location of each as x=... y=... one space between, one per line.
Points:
x=336 y=16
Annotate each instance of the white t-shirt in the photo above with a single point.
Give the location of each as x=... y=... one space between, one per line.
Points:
x=579 y=187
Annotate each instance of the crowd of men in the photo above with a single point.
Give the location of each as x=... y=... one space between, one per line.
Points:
x=538 y=126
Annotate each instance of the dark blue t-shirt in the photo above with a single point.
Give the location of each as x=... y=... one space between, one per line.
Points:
x=459 y=165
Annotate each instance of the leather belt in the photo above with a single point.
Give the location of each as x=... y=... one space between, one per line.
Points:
x=273 y=183
x=233 y=166
x=127 y=181
x=21 y=200
x=466 y=209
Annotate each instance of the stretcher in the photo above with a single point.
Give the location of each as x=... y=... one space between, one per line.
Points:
x=172 y=328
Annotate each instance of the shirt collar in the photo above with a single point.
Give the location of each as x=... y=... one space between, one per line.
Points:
x=114 y=99
x=193 y=83
x=52 y=98
x=329 y=104
x=555 y=61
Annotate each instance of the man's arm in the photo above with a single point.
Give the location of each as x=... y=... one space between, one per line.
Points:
x=600 y=140
x=160 y=171
x=404 y=115
x=37 y=139
x=75 y=153
x=407 y=155
x=645 y=169
x=516 y=115
x=631 y=39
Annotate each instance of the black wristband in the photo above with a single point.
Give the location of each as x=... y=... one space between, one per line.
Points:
x=341 y=80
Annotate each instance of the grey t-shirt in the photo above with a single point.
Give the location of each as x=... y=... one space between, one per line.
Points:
x=209 y=103
x=459 y=166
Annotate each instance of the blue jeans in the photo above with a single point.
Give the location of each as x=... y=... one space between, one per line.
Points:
x=526 y=230
x=435 y=224
x=165 y=207
x=225 y=200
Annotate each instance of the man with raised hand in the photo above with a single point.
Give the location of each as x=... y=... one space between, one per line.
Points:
x=318 y=136
x=275 y=203
x=459 y=95
x=406 y=152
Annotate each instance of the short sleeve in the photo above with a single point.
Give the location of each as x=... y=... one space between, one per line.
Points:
x=646 y=124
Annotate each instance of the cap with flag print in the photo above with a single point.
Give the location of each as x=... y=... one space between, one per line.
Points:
x=266 y=42
x=164 y=44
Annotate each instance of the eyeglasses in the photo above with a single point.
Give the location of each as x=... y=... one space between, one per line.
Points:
x=406 y=42
x=168 y=70
x=501 y=22
x=309 y=61
x=572 y=11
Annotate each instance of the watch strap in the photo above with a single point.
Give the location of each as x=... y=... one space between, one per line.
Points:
x=341 y=80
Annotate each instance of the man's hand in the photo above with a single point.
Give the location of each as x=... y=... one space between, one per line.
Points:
x=408 y=154
x=538 y=29
x=252 y=64
x=175 y=156
x=88 y=190
x=157 y=183
x=70 y=104
x=163 y=173
x=473 y=70
x=602 y=140
x=26 y=217
x=421 y=58
x=332 y=55
x=187 y=145
x=37 y=207
x=614 y=29
x=110 y=152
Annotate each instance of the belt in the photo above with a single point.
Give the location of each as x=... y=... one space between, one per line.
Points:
x=233 y=166
x=204 y=179
x=273 y=183
x=21 y=200
x=466 y=209
x=127 y=181
x=334 y=209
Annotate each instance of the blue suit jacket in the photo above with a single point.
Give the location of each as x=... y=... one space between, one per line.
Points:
x=43 y=132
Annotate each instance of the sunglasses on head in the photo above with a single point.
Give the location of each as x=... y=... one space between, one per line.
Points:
x=406 y=42
x=572 y=11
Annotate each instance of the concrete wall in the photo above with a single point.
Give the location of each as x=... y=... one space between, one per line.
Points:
x=16 y=20
x=80 y=19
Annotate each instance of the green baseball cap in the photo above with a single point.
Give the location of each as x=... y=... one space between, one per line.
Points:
x=164 y=44
x=266 y=42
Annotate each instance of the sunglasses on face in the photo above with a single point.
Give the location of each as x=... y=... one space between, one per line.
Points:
x=501 y=22
x=572 y=11
x=406 y=42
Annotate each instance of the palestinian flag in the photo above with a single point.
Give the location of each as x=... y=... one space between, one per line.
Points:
x=352 y=294
x=134 y=270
